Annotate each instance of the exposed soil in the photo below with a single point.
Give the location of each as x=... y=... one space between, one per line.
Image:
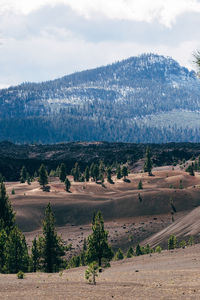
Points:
x=168 y=275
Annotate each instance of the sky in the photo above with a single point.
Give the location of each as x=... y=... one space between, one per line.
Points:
x=45 y=39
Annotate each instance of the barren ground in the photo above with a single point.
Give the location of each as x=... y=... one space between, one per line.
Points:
x=168 y=275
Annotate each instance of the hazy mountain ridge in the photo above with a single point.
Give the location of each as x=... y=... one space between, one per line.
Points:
x=113 y=103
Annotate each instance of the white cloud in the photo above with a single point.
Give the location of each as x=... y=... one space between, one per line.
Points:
x=165 y=11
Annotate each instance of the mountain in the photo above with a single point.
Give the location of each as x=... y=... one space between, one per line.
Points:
x=149 y=98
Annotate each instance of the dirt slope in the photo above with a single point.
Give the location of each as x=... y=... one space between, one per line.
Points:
x=169 y=275
x=185 y=226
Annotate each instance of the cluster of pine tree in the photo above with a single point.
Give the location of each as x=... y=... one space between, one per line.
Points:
x=194 y=167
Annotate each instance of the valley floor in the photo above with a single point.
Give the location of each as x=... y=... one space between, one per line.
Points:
x=169 y=275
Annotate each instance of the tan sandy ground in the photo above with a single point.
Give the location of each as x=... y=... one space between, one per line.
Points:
x=169 y=275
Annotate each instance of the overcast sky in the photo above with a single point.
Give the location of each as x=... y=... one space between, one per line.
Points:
x=46 y=39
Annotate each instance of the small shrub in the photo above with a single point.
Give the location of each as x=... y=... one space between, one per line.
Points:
x=191 y=241
x=158 y=249
x=92 y=272
x=20 y=275
x=119 y=255
x=13 y=192
x=140 y=185
x=182 y=244
x=46 y=188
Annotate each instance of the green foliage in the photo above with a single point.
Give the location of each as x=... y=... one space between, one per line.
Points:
x=191 y=241
x=158 y=249
x=52 y=173
x=62 y=173
x=20 y=275
x=7 y=216
x=139 y=197
x=75 y=262
x=76 y=172
x=67 y=184
x=190 y=170
x=3 y=239
x=35 y=255
x=119 y=255
x=118 y=172
x=87 y=174
x=140 y=185
x=16 y=252
x=172 y=242
x=130 y=252
x=109 y=175
x=98 y=247
x=13 y=191
x=124 y=172
x=148 y=162
x=182 y=244
x=138 y=250
x=181 y=185
x=148 y=249
x=52 y=247
x=43 y=175
x=92 y=272
x=96 y=172
x=23 y=175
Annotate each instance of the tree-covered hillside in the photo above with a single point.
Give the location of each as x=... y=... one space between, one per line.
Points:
x=149 y=98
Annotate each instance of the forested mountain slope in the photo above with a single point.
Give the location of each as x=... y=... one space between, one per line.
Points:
x=149 y=98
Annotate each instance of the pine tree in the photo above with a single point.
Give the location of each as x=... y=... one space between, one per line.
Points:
x=109 y=174
x=3 y=239
x=7 y=216
x=43 y=176
x=96 y=172
x=118 y=171
x=98 y=247
x=16 y=252
x=148 y=162
x=35 y=255
x=172 y=242
x=52 y=247
x=119 y=255
x=92 y=170
x=23 y=175
x=138 y=250
x=67 y=184
x=124 y=172
x=140 y=185
x=62 y=174
x=130 y=252
x=76 y=172
x=87 y=174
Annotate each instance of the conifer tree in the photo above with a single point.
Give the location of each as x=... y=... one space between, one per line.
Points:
x=67 y=184
x=62 y=173
x=76 y=172
x=138 y=250
x=130 y=252
x=140 y=185
x=23 y=175
x=16 y=252
x=43 y=176
x=118 y=171
x=98 y=247
x=96 y=172
x=3 y=239
x=124 y=172
x=7 y=216
x=87 y=174
x=109 y=174
x=92 y=170
x=148 y=162
x=35 y=255
x=52 y=249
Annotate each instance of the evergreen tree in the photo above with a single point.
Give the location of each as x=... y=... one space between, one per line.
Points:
x=23 y=175
x=138 y=250
x=16 y=252
x=98 y=247
x=119 y=255
x=140 y=185
x=172 y=242
x=92 y=170
x=62 y=174
x=109 y=174
x=3 y=239
x=119 y=173
x=35 y=255
x=67 y=184
x=124 y=172
x=76 y=172
x=7 y=216
x=52 y=245
x=87 y=174
x=96 y=172
x=101 y=168
x=148 y=162
x=43 y=176
x=130 y=252
x=57 y=174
